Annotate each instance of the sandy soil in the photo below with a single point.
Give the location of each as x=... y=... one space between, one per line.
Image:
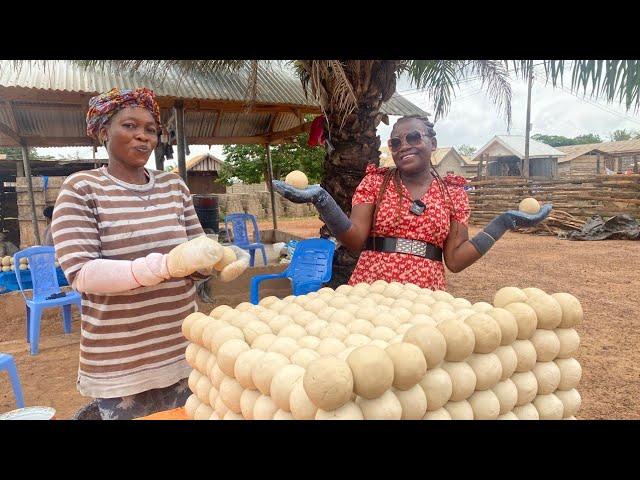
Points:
x=603 y=275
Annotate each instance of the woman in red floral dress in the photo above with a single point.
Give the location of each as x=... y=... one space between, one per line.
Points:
x=407 y=220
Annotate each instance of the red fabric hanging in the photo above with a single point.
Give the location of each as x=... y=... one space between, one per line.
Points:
x=316 y=134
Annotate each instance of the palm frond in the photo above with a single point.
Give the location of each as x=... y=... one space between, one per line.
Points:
x=495 y=76
x=302 y=69
x=613 y=80
x=438 y=77
x=343 y=93
x=330 y=86
x=441 y=78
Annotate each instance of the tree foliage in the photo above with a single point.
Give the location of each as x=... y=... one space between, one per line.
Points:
x=466 y=150
x=588 y=138
x=561 y=141
x=249 y=162
x=620 y=135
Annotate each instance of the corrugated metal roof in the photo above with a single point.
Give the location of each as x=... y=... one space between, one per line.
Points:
x=205 y=162
x=515 y=144
x=621 y=147
x=277 y=85
x=399 y=105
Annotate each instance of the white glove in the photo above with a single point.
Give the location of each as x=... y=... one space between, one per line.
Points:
x=238 y=263
x=201 y=253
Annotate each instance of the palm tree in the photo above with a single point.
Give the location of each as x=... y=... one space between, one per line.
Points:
x=351 y=93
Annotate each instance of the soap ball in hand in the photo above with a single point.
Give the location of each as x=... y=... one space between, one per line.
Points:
x=297 y=179
x=529 y=205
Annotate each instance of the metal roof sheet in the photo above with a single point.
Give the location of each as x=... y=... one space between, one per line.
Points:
x=516 y=143
x=621 y=147
x=277 y=85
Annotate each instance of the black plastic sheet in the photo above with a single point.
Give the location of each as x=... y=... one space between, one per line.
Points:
x=619 y=227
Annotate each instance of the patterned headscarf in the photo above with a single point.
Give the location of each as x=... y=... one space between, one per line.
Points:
x=104 y=106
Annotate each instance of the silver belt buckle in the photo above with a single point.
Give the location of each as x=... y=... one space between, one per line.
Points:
x=419 y=248
x=412 y=247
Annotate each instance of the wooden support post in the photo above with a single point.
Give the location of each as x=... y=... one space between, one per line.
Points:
x=182 y=165
x=2 y=205
x=270 y=186
x=27 y=174
x=525 y=163
x=598 y=164
x=635 y=164
x=480 y=167
x=159 y=156
x=19 y=168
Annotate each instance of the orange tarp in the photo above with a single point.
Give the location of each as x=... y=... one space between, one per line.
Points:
x=175 y=414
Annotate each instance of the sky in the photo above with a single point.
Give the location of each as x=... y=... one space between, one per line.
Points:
x=473 y=119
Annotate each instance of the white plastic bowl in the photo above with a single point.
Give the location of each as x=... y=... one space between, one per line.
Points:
x=30 y=413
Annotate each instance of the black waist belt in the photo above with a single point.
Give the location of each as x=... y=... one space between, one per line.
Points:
x=404 y=245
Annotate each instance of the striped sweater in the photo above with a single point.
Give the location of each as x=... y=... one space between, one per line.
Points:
x=131 y=341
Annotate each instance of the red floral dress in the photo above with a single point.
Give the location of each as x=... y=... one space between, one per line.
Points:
x=432 y=226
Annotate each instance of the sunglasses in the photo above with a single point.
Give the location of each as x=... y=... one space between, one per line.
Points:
x=412 y=138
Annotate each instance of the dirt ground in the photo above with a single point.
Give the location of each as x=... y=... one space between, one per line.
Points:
x=603 y=275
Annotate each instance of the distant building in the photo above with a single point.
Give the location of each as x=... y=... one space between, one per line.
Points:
x=600 y=158
x=202 y=173
x=503 y=156
x=445 y=160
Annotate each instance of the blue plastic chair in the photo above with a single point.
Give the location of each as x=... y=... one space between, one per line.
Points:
x=7 y=363
x=241 y=237
x=46 y=291
x=310 y=267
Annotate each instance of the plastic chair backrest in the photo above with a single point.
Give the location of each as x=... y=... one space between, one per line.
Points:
x=312 y=261
x=43 y=271
x=239 y=225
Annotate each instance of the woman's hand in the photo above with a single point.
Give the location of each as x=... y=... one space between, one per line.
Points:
x=200 y=253
x=297 y=195
x=509 y=220
x=519 y=219
x=332 y=215
x=234 y=269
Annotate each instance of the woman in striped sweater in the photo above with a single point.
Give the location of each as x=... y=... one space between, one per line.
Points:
x=129 y=240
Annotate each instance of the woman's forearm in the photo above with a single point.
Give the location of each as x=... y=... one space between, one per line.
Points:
x=462 y=257
x=356 y=235
x=114 y=276
x=353 y=238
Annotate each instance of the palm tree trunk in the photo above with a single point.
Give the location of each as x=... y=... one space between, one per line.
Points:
x=353 y=139
x=354 y=146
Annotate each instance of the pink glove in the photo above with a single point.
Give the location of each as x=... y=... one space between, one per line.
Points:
x=114 y=276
